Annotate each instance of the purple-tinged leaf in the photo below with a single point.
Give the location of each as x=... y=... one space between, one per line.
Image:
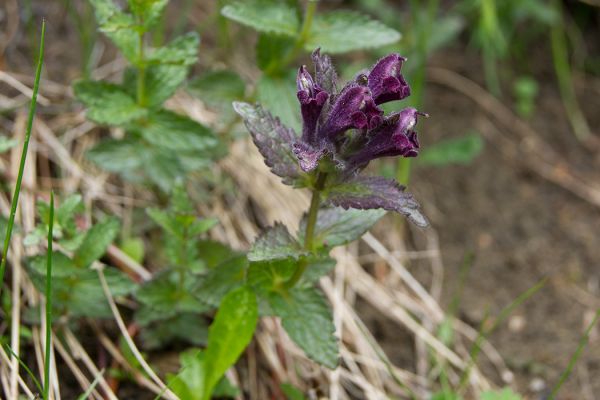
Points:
x=273 y=140
x=275 y=243
x=369 y=192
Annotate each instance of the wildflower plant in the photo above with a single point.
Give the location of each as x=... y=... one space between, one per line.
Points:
x=343 y=130
x=159 y=145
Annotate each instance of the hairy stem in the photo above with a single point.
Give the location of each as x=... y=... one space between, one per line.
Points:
x=309 y=233
x=15 y=199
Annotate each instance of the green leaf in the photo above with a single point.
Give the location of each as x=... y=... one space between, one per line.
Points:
x=96 y=241
x=134 y=248
x=65 y=214
x=337 y=226
x=504 y=394
x=118 y=26
x=275 y=242
x=222 y=279
x=271 y=50
x=214 y=253
x=164 y=220
x=460 y=150
x=218 y=87
x=267 y=276
x=229 y=334
x=183 y=328
x=107 y=103
x=344 y=31
x=189 y=383
x=148 y=11
x=316 y=268
x=278 y=95
x=120 y=156
x=292 y=392
x=307 y=319
x=170 y=131
x=271 y=16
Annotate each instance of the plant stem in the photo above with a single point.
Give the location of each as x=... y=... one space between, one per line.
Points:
x=48 y=296
x=15 y=199
x=141 y=76
x=582 y=343
x=309 y=233
x=311 y=7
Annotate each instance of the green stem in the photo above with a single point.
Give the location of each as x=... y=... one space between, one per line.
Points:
x=15 y=199
x=309 y=233
x=582 y=343
x=311 y=7
x=48 y=295
x=141 y=76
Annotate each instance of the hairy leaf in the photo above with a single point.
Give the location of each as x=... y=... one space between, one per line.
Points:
x=273 y=243
x=96 y=241
x=273 y=140
x=370 y=192
x=229 y=334
x=148 y=11
x=108 y=103
x=307 y=319
x=267 y=276
x=343 y=31
x=218 y=87
x=337 y=226
x=264 y=15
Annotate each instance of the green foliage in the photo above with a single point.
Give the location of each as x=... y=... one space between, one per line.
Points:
x=229 y=334
x=344 y=31
x=96 y=241
x=218 y=87
x=279 y=96
x=307 y=319
x=337 y=226
x=461 y=150
x=292 y=392
x=274 y=243
x=525 y=90
x=268 y=16
x=504 y=394
x=160 y=146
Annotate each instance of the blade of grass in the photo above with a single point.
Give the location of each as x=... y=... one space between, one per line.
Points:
x=15 y=199
x=483 y=333
x=24 y=366
x=90 y=389
x=48 y=295
x=582 y=343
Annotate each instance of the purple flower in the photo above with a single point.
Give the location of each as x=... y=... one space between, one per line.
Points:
x=394 y=137
x=312 y=99
x=385 y=80
x=354 y=108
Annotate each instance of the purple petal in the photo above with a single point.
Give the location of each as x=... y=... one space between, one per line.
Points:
x=353 y=109
x=385 y=80
x=308 y=157
x=312 y=98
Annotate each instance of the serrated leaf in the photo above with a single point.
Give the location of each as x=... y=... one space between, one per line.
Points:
x=307 y=319
x=164 y=220
x=170 y=131
x=148 y=11
x=229 y=334
x=118 y=26
x=460 y=150
x=273 y=140
x=343 y=31
x=371 y=192
x=269 y=16
x=218 y=87
x=222 y=279
x=316 y=268
x=337 y=226
x=107 y=103
x=278 y=95
x=96 y=241
x=273 y=243
x=121 y=156
x=266 y=276
x=182 y=51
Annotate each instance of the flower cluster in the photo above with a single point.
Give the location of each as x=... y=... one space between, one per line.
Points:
x=327 y=116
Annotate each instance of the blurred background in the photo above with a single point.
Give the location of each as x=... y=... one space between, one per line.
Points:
x=509 y=173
